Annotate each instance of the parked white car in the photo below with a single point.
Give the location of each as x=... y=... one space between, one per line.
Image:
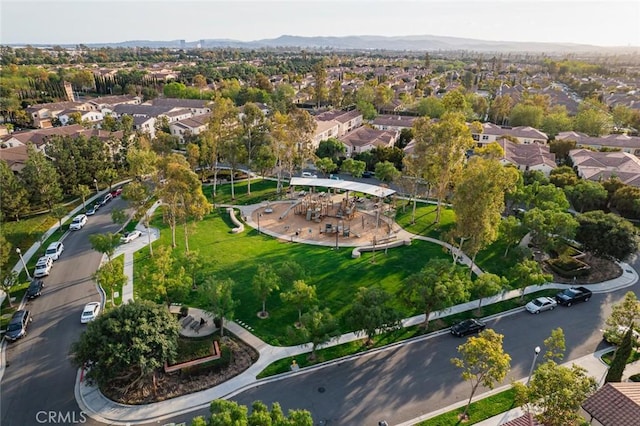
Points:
x=130 y=236
x=54 y=250
x=90 y=312
x=78 y=222
x=541 y=304
x=43 y=267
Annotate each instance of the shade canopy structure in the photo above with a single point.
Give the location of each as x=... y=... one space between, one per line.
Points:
x=347 y=185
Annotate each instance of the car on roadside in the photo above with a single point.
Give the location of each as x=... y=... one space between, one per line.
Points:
x=116 y=192
x=35 y=288
x=127 y=237
x=78 y=222
x=368 y=174
x=93 y=209
x=468 y=326
x=17 y=327
x=90 y=312
x=541 y=304
x=107 y=197
x=43 y=267
x=308 y=175
x=569 y=296
x=334 y=177
x=54 y=251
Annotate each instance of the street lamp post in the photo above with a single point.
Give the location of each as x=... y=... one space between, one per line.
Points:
x=533 y=363
x=24 y=265
x=259 y=216
x=95 y=182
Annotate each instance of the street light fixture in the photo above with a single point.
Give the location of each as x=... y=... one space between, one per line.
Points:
x=533 y=363
x=95 y=182
x=26 y=271
x=259 y=216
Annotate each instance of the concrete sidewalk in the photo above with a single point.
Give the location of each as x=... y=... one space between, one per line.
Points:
x=97 y=406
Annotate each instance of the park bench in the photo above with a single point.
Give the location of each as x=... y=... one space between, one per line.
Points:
x=186 y=321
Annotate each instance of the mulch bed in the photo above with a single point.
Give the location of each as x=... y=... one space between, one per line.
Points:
x=601 y=270
x=180 y=383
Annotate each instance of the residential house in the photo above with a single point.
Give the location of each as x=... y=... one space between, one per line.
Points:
x=15 y=157
x=348 y=120
x=43 y=114
x=38 y=137
x=190 y=126
x=365 y=139
x=393 y=122
x=145 y=124
x=524 y=134
x=196 y=106
x=624 y=143
x=85 y=116
x=325 y=130
x=527 y=157
x=598 y=166
x=108 y=102
x=614 y=404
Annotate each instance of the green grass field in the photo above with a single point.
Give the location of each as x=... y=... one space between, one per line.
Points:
x=425 y=219
x=335 y=274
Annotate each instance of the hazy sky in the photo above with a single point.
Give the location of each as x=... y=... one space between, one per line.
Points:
x=603 y=23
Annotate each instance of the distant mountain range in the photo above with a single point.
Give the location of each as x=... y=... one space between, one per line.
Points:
x=365 y=42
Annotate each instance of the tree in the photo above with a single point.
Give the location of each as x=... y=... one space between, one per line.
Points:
x=291 y=141
x=40 y=179
x=563 y=176
x=167 y=278
x=478 y=202
x=545 y=197
x=13 y=197
x=230 y=413
x=386 y=171
x=318 y=327
x=526 y=115
x=127 y=345
x=291 y=271
x=331 y=148
x=59 y=211
x=623 y=315
x=142 y=162
x=430 y=107
x=355 y=167
x=300 y=296
x=587 y=195
x=626 y=200
x=255 y=130
x=487 y=285
x=218 y=299
x=326 y=165
x=107 y=175
x=5 y=252
x=265 y=281
x=9 y=280
x=83 y=191
x=561 y=148
x=454 y=101
x=105 y=243
x=138 y=194
x=607 y=235
x=500 y=109
x=320 y=86
x=549 y=228
x=371 y=314
x=118 y=216
x=483 y=362
x=443 y=146
x=620 y=358
x=110 y=278
x=592 y=118
x=555 y=345
x=557 y=392
x=556 y=121
x=527 y=273
x=511 y=232
x=437 y=286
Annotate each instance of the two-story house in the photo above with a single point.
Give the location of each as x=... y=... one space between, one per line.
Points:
x=393 y=122
x=624 y=143
x=190 y=126
x=365 y=139
x=524 y=134
x=349 y=120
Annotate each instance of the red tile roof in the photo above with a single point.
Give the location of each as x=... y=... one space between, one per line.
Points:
x=615 y=404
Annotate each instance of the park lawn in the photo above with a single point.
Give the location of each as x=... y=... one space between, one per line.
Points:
x=261 y=190
x=25 y=232
x=335 y=274
x=478 y=411
x=425 y=219
x=492 y=258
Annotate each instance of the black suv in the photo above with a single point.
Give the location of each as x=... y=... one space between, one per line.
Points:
x=35 y=289
x=17 y=327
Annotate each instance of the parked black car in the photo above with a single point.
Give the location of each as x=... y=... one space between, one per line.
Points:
x=17 y=327
x=468 y=326
x=35 y=288
x=572 y=295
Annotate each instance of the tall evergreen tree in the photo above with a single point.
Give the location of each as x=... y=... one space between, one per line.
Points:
x=619 y=362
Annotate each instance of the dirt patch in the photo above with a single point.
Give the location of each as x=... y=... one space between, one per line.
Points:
x=601 y=270
x=239 y=355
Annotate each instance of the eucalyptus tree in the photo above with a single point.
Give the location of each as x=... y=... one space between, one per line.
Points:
x=255 y=133
x=224 y=127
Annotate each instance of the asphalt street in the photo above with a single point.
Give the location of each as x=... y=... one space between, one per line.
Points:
x=38 y=383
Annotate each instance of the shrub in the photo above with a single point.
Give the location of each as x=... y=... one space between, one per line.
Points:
x=635 y=378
